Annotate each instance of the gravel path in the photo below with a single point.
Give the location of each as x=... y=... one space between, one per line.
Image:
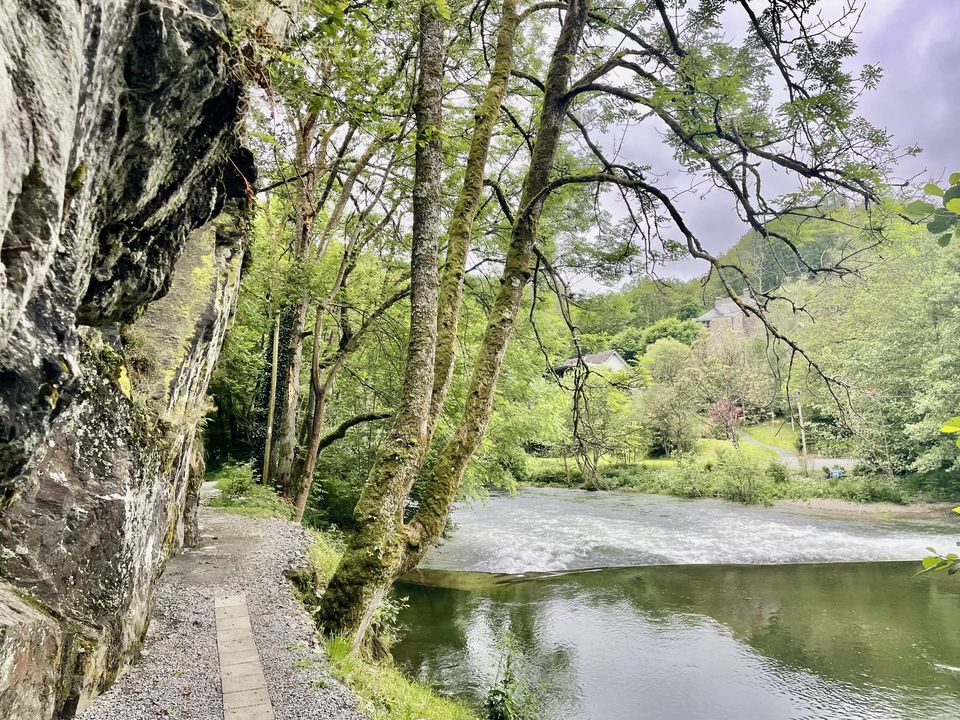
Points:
x=178 y=675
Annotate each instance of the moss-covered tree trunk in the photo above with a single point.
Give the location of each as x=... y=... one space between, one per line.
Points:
x=305 y=214
x=427 y=525
x=468 y=204
x=375 y=550
x=384 y=546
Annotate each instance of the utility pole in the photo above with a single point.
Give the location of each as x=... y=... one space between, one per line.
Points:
x=803 y=433
x=273 y=399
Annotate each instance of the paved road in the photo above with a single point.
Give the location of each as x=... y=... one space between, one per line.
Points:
x=792 y=460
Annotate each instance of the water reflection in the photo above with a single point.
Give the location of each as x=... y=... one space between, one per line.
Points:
x=688 y=642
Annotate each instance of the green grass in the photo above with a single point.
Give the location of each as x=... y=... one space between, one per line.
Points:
x=709 y=451
x=776 y=433
x=385 y=693
x=240 y=495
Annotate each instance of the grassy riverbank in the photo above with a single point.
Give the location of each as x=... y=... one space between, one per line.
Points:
x=751 y=475
x=385 y=692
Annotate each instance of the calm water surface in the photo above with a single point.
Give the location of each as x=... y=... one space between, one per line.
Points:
x=693 y=609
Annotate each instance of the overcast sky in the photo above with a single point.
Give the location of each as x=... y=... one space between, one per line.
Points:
x=918 y=102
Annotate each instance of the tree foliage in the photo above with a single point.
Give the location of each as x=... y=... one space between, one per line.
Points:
x=434 y=172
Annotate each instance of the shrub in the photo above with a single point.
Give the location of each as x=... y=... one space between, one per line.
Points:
x=234 y=480
x=777 y=472
x=556 y=476
x=333 y=501
x=510 y=697
x=239 y=494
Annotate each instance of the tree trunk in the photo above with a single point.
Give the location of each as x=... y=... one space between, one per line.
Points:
x=375 y=551
x=321 y=388
x=287 y=432
x=384 y=547
x=320 y=391
x=427 y=525
x=465 y=211
x=287 y=445
x=195 y=475
x=271 y=402
x=328 y=439
x=305 y=214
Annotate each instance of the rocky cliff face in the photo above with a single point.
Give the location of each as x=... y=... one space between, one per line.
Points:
x=123 y=197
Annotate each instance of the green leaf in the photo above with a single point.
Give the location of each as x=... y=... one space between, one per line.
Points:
x=919 y=208
x=942 y=221
x=931 y=189
x=930 y=564
x=957 y=510
x=944 y=240
x=265 y=137
x=952 y=425
x=953 y=205
x=955 y=178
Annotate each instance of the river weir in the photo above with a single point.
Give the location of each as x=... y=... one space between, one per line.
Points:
x=629 y=606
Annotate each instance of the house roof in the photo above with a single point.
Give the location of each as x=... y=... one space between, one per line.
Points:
x=725 y=307
x=599 y=358
x=711 y=314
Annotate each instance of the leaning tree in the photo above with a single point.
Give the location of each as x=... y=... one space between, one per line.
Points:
x=768 y=118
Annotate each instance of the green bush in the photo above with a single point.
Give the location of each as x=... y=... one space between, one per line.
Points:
x=777 y=472
x=333 y=501
x=510 y=696
x=555 y=476
x=239 y=494
x=940 y=485
x=233 y=479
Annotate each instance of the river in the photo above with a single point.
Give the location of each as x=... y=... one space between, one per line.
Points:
x=629 y=606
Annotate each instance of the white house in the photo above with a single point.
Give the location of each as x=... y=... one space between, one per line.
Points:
x=608 y=360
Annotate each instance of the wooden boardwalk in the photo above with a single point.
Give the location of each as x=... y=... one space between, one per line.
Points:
x=244 y=687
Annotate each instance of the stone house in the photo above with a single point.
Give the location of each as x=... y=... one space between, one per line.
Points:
x=726 y=314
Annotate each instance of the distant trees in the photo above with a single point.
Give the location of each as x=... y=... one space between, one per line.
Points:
x=631 y=319
x=889 y=336
x=723 y=378
x=669 y=406
x=634 y=341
